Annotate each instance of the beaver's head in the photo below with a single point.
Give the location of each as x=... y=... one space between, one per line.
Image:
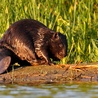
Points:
x=58 y=46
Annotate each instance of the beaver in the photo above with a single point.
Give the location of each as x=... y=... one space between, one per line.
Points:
x=30 y=40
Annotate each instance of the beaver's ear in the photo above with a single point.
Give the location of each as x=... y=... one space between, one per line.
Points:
x=55 y=36
x=4 y=63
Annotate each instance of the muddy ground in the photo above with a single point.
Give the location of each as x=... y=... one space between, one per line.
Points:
x=51 y=74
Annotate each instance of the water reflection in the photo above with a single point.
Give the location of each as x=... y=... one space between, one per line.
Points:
x=50 y=91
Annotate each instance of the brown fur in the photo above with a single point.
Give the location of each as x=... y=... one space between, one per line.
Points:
x=33 y=42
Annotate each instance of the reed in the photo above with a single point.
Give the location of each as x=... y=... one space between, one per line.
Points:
x=78 y=19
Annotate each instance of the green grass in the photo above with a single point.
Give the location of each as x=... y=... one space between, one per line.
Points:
x=78 y=19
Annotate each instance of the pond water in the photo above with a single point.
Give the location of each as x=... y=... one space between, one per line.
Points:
x=73 y=90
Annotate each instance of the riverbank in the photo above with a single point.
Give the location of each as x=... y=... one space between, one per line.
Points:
x=45 y=74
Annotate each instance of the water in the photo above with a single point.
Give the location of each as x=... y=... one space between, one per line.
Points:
x=83 y=90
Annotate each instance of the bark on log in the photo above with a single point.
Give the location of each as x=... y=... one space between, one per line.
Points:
x=52 y=74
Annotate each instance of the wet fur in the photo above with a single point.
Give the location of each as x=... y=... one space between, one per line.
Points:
x=31 y=41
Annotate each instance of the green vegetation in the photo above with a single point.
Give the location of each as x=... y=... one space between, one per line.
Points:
x=78 y=19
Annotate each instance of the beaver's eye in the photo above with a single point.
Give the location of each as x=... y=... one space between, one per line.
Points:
x=60 y=45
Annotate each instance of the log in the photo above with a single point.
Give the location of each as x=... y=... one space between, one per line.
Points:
x=45 y=74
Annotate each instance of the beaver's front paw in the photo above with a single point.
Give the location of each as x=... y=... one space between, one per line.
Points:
x=51 y=63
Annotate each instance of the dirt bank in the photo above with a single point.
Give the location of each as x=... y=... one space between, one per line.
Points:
x=51 y=74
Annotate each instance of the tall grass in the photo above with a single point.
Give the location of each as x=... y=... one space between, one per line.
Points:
x=78 y=19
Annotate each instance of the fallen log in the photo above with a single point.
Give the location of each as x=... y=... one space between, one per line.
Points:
x=51 y=74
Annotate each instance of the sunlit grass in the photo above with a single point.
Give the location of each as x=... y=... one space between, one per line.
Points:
x=78 y=19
